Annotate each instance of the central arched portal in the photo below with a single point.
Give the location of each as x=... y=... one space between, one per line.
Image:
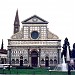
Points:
x=34 y=58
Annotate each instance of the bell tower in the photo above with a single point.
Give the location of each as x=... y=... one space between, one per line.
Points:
x=16 y=23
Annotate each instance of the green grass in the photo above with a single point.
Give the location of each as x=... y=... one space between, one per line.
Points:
x=25 y=71
x=33 y=71
x=61 y=73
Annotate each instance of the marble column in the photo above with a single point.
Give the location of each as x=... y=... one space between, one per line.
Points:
x=29 y=57
x=39 y=57
x=38 y=62
x=58 y=56
x=29 y=61
x=9 y=56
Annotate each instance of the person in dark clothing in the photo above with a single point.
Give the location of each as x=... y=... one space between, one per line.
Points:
x=69 y=69
x=73 y=54
x=64 y=52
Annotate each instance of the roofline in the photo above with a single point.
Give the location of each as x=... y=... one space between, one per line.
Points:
x=33 y=40
x=34 y=23
x=33 y=46
x=24 y=22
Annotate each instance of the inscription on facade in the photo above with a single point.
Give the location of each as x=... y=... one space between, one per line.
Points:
x=55 y=43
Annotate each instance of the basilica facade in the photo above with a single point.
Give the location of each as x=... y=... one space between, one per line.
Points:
x=34 y=45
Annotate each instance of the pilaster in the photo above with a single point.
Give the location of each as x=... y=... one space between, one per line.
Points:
x=29 y=57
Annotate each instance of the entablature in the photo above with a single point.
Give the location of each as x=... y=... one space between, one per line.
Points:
x=34 y=43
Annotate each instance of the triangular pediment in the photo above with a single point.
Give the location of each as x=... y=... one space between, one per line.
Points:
x=34 y=20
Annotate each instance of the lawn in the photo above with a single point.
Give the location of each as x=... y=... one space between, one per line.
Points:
x=33 y=71
x=24 y=71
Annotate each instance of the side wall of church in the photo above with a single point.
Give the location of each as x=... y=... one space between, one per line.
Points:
x=17 y=52
x=51 y=53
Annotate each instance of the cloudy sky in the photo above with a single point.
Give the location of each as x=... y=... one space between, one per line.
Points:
x=59 y=13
